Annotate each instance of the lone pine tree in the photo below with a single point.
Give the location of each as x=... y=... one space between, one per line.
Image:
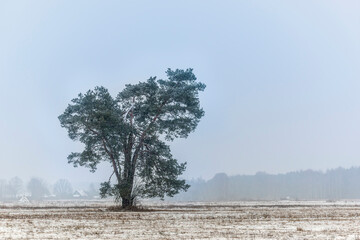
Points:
x=131 y=132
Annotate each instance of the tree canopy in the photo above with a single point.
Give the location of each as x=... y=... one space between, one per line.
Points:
x=131 y=132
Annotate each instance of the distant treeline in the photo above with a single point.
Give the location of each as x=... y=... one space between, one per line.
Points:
x=39 y=189
x=333 y=184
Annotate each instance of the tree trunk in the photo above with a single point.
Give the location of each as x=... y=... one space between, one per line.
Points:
x=128 y=183
x=127 y=202
x=126 y=193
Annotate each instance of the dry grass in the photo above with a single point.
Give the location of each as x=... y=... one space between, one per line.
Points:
x=183 y=221
x=118 y=208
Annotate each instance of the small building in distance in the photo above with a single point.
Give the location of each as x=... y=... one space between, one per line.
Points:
x=80 y=194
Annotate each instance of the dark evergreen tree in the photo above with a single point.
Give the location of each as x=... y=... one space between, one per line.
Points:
x=130 y=131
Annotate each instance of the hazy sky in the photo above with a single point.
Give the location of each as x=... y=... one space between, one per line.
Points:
x=283 y=79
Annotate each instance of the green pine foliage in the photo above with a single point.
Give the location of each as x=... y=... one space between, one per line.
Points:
x=131 y=133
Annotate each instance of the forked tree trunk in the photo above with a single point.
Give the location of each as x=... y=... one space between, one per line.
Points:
x=127 y=199
x=127 y=202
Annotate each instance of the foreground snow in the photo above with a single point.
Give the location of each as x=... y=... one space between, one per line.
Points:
x=233 y=220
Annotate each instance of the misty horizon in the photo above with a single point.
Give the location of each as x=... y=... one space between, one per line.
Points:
x=333 y=184
x=51 y=181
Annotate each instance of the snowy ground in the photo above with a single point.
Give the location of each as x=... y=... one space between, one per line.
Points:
x=233 y=220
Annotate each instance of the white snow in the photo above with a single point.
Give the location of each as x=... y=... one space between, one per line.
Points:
x=196 y=220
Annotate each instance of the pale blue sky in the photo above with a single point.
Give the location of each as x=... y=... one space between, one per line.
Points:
x=283 y=79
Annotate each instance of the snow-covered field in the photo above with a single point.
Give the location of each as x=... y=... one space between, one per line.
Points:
x=233 y=220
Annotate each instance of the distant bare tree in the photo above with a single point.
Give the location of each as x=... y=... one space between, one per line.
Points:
x=3 y=188
x=15 y=186
x=63 y=188
x=92 y=191
x=37 y=188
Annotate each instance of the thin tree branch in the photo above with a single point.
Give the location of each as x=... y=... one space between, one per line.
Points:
x=143 y=135
x=109 y=152
x=111 y=176
x=112 y=160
